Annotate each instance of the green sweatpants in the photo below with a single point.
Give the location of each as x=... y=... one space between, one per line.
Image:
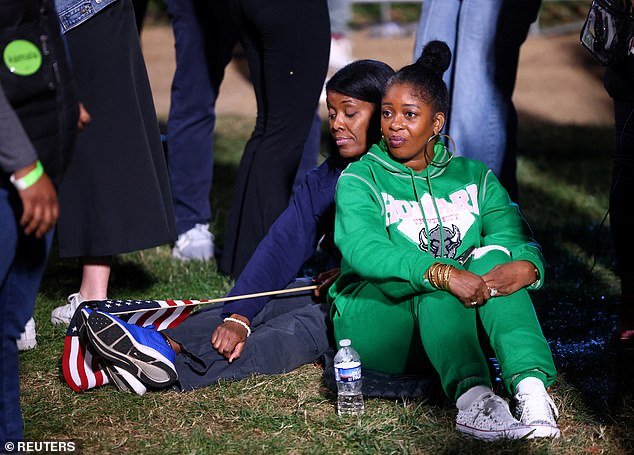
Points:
x=386 y=333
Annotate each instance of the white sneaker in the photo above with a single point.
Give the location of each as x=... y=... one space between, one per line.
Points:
x=197 y=244
x=484 y=415
x=535 y=408
x=27 y=338
x=63 y=314
x=340 y=53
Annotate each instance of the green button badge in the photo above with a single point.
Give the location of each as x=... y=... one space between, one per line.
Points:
x=22 y=57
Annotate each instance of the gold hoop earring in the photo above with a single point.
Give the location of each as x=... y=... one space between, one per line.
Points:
x=448 y=152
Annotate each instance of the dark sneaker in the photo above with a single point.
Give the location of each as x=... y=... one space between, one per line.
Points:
x=142 y=352
x=123 y=380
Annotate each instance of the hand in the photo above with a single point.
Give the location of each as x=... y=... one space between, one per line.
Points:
x=469 y=288
x=83 y=119
x=324 y=280
x=510 y=277
x=39 y=204
x=229 y=338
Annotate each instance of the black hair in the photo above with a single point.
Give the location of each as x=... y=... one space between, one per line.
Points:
x=364 y=80
x=425 y=75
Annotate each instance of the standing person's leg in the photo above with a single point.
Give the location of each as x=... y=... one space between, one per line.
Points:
x=251 y=41
x=10 y=413
x=22 y=265
x=310 y=151
x=620 y=207
x=140 y=8
x=340 y=13
x=94 y=278
x=485 y=67
x=204 y=39
x=438 y=21
x=291 y=38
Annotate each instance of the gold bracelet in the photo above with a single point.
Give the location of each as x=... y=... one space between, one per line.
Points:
x=445 y=277
x=431 y=274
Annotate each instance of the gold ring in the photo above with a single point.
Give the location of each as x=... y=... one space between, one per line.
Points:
x=474 y=303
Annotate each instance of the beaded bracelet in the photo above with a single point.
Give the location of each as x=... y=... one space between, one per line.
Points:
x=242 y=323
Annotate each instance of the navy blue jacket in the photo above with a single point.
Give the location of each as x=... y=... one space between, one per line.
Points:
x=290 y=242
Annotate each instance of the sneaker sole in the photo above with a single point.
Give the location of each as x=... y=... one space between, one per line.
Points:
x=176 y=254
x=116 y=344
x=124 y=381
x=26 y=345
x=495 y=435
x=56 y=320
x=544 y=431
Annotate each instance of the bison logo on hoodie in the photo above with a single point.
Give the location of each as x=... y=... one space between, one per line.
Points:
x=431 y=243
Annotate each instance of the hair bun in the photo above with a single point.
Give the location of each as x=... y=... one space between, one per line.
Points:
x=436 y=56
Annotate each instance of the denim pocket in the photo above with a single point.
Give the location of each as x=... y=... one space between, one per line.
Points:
x=75 y=15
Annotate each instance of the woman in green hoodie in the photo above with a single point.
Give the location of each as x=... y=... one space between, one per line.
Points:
x=431 y=244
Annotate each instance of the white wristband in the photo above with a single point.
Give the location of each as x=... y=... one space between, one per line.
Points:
x=242 y=323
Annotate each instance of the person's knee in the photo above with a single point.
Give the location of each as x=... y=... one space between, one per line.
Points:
x=487 y=257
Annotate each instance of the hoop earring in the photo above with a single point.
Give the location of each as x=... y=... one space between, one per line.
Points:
x=450 y=152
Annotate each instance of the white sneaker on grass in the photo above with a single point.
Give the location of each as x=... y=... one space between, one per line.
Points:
x=196 y=244
x=535 y=408
x=63 y=314
x=484 y=415
x=27 y=338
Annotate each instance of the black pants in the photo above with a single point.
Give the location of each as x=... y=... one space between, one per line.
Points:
x=287 y=333
x=622 y=190
x=287 y=45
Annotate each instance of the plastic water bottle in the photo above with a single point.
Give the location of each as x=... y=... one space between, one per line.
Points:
x=348 y=376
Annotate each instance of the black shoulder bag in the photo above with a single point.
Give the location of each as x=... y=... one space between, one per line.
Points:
x=608 y=31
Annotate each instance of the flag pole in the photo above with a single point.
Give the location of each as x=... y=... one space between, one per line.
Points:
x=218 y=300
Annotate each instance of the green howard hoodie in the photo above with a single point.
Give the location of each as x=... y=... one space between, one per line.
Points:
x=392 y=222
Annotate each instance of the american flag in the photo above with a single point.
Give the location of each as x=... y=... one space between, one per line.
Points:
x=81 y=367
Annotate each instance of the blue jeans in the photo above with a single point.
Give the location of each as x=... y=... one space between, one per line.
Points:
x=22 y=262
x=485 y=37
x=204 y=37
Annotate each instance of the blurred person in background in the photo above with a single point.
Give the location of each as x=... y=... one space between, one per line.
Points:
x=286 y=44
x=115 y=196
x=485 y=38
x=619 y=83
x=38 y=119
x=204 y=36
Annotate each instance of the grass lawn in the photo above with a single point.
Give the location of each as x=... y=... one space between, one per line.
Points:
x=564 y=178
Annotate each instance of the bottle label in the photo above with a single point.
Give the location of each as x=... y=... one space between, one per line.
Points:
x=348 y=371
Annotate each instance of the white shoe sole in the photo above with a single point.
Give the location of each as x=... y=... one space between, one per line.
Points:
x=495 y=435
x=26 y=345
x=544 y=431
x=124 y=381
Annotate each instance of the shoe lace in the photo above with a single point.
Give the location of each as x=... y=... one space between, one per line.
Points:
x=492 y=403
x=537 y=407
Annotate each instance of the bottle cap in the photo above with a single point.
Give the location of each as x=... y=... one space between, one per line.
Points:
x=345 y=342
